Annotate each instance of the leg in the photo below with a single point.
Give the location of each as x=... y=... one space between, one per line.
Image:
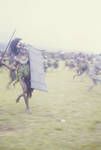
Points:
x=18 y=98
x=15 y=82
x=78 y=73
x=9 y=83
x=94 y=82
x=75 y=75
x=24 y=88
x=12 y=78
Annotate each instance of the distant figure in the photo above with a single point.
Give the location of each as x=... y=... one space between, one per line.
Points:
x=95 y=71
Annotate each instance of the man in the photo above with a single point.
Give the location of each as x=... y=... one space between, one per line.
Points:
x=29 y=69
x=22 y=68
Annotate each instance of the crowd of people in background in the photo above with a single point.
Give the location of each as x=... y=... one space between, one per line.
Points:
x=80 y=63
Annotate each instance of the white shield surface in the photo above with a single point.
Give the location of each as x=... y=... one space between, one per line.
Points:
x=37 y=69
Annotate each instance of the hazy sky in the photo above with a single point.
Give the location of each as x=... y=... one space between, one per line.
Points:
x=53 y=24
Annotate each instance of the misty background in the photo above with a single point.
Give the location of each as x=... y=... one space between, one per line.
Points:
x=69 y=25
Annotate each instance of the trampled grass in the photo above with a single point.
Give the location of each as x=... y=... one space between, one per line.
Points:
x=67 y=117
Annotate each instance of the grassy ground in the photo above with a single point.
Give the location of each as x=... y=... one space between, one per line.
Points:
x=68 y=117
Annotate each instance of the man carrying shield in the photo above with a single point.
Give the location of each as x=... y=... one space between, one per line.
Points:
x=28 y=64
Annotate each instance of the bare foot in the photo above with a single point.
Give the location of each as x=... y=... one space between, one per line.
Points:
x=28 y=111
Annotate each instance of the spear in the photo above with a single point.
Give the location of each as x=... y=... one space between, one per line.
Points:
x=7 y=45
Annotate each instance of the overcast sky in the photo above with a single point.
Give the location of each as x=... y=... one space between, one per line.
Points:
x=53 y=24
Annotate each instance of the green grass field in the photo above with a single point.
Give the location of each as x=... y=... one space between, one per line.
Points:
x=67 y=117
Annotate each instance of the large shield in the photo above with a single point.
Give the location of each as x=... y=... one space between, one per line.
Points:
x=37 y=69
